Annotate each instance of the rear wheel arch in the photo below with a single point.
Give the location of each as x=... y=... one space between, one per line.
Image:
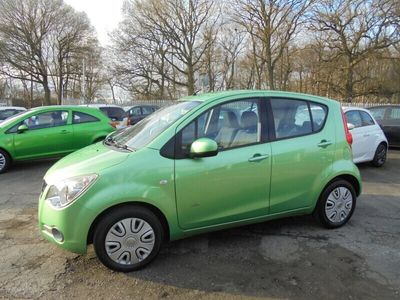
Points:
x=152 y=208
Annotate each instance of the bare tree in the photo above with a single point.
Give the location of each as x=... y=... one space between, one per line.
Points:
x=352 y=31
x=273 y=24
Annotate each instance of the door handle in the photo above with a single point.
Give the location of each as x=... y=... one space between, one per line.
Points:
x=64 y=131
x=258 y=157
x=324 y=144
x=366 y=135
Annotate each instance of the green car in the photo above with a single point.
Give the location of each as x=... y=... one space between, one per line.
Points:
x=50 y=132
x=206 y=163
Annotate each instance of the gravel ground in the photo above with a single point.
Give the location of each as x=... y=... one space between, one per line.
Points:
x=292 y=258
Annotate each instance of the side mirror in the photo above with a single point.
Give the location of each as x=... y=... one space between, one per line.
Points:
x=350 y=126
x=22 y=128
x=203 y=147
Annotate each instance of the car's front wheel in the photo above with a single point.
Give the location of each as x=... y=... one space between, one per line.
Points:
x=336 y=204
x=380 y=156
x=5 y=161
x=128 y=238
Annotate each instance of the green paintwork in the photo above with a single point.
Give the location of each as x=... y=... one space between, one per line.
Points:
x=26 y=144
x=203 y=194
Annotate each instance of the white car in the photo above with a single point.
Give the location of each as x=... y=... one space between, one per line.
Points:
x=8 y=111
x=116 y=113
x=369 y=141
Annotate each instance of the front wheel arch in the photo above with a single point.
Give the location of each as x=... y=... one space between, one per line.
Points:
x=152 y=208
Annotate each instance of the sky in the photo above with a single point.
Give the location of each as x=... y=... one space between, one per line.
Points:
x=103 y=14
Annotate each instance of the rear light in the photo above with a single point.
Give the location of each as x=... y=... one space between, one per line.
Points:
x=349 y=137
x=128 y=122
x=113 y=124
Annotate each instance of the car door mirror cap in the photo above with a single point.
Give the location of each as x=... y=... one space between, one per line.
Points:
x=22 y=128
x=350 y=126
x=203 y=147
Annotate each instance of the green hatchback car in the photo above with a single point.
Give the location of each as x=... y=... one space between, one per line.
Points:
x=50 y=132
x=206 y=163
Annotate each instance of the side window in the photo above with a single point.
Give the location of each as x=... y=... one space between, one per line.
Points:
x=291 y=118
x=378 y=112
x=47 y=120
x=79 y=118
x=394 y=113
x=233 y=124
x=135 y=111
x=354 y=117
x=366 y=119
x=318 y=113
x=147 y=110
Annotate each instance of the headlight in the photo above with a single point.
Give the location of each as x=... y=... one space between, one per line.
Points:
x=64 y=192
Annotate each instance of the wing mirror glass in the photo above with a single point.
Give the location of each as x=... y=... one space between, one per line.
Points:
x=22 y=128
x=203 y=147
x=350 y=126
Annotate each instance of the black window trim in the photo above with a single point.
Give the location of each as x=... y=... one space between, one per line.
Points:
x=272 y=122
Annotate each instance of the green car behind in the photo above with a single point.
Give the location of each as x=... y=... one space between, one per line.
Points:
x=50 y=132
x=206 y=163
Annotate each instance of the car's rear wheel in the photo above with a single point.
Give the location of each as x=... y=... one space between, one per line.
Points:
x=5 y=161
x=380 y=156
x=128 y=238
x=336 y=204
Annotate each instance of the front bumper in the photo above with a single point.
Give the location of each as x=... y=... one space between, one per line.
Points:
x=72 y=222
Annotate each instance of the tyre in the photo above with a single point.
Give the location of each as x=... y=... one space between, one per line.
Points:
x=380 y=156
x=336 y=204
x=128 y=238
x=5 y=161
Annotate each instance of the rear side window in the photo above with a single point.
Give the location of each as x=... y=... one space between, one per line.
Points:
x=147 y=110
x=80 y=117
x=114 y=113
x=394 y=114
x=354 y=117
x=318 y=113
x=366 y=119
x=378 y=112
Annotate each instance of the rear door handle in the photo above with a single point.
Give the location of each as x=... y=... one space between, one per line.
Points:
x=324 y=144
x=258 y=157
x=366 y=135
x=64 y=131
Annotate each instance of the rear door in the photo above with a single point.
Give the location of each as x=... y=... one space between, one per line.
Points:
x=302 y=152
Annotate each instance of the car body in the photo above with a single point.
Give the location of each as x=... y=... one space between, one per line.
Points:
x=116 y=113
x=388 y=117
x=50 y=131
x=139 y=112
x=9 y=111
x=194 y=167
x=369 y=141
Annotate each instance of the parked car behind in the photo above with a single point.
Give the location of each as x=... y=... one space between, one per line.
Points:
x=116 y=113
x=9 y=111
x=388 y=117
x=50 y=132
x=139 y=112
x=369 y=141
x=166 y=178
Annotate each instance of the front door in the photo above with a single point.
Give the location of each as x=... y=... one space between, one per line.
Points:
x=233 y=185
x=48 y=134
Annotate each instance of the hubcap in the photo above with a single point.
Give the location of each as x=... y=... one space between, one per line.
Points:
x=130 y=241
x=339 y=204
x=2 y=161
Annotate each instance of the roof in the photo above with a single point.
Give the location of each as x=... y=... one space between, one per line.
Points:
x=347 y=108
x=260 y=93
x=12 y=107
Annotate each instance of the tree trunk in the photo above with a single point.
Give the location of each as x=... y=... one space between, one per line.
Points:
x=47 y=92
x=349 y=84
x=190 y=80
